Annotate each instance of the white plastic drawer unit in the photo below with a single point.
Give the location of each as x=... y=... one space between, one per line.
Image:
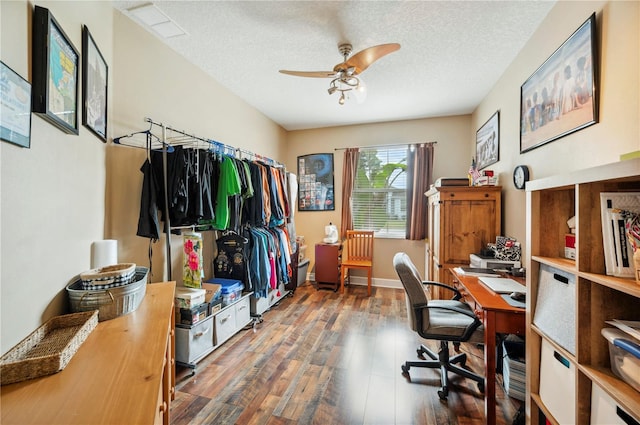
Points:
x=194 y=341
x=225 y=322
x=243 y=312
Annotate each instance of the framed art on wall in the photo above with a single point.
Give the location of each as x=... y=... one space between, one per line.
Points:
x=15 y=107
x=55 y=73
x=94 y=86
x=315 y=182
x=561 y=97
x=488 y=142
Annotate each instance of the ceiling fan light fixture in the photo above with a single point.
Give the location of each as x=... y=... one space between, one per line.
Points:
x=342 y=98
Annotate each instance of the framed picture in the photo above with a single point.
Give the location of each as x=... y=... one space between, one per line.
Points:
x=561 y=96
x=488 y=142
x=94 y=87
x=55 y=73
x=315 y=182
x=15 y=107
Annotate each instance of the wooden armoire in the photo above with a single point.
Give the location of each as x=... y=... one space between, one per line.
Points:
x=461 y=221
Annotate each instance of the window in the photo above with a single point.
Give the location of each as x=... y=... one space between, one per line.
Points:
x=379 y=198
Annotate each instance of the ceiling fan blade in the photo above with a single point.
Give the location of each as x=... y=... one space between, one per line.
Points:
x=361 y=60
x=313 y=74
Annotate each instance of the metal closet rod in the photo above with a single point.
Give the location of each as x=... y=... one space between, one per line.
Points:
x=225 y=148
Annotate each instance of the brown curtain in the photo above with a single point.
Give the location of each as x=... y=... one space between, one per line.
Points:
x=420 y=166
x=350 y=168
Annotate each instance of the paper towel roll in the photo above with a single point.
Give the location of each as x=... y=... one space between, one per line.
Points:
x=104 y=253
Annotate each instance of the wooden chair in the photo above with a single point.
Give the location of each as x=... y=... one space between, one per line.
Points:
x=357 y=253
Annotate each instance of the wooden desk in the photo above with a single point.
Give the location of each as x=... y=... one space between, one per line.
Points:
x=498 y=317
x=121 y=374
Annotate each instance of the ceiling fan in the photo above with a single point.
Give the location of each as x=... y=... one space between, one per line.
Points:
x=345 y=74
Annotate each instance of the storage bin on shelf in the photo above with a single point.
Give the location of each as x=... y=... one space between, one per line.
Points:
x=605 y=410
x=231 y=289
x=557 y=384
x=556 y=306
x=624 y=355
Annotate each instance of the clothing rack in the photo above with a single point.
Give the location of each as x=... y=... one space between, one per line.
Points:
x=179 y=137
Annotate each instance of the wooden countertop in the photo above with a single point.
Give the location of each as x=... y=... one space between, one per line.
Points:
x=114 y=378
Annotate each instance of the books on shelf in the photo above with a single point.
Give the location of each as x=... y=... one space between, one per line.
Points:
x=618 y=252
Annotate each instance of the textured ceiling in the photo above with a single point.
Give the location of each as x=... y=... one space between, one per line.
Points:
x=452 y=53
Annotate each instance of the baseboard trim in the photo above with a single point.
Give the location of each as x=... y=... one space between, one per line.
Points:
x=362 y=281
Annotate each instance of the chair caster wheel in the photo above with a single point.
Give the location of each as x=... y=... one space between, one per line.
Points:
x=405 y=373
x=443 y=393
x=420 y=354
x=481 y=387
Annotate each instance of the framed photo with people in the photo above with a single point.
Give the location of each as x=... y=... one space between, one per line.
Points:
x=561 y=96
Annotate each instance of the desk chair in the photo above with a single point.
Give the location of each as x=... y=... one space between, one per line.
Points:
x=442 y=320
x=357 y=253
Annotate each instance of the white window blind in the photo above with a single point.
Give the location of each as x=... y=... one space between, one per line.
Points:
x=379 y=198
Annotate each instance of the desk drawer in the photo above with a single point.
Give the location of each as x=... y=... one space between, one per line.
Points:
x=468 y=299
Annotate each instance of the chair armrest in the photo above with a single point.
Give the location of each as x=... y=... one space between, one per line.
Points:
x=457 y=295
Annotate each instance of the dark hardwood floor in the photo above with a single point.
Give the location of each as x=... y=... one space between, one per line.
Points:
x=324 y=358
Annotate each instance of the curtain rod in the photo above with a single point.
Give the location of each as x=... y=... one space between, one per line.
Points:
x=386 y=145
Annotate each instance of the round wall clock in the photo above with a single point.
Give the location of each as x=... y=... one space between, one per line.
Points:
x=520 y=176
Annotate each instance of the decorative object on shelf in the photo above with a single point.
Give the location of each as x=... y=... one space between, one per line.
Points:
x=192 y=260
x=94 y=87
x=488 y=142
x=48 y=349
x=506 y=248
x=473 y=173
x=15 y=108
x=55 y=73
x=315 y=186
x=561 y=96
x=520 y=176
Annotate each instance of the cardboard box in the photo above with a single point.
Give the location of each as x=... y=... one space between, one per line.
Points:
x=188 y=297
x=570 y=246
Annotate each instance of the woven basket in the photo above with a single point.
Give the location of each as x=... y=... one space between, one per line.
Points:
x=48 y=349
x=108 y=276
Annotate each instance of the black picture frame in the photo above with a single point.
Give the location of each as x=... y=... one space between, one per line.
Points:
x=55 y=73
x=488 y=142
x=561 y=96
x=15 y=107
x=95 y=80
x=315 y=182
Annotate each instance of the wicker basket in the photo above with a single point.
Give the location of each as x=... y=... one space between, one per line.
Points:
x=48 y=349
x=108 y=276
x=112 y=302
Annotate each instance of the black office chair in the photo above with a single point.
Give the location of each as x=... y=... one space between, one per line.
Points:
x=442 y=320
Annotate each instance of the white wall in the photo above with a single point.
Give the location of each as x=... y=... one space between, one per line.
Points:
x=151 y=80
x=451 y=135
x=53 y=193
x=618 y=130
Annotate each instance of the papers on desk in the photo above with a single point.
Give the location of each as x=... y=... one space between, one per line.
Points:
x=476 y=271
x=502 y=285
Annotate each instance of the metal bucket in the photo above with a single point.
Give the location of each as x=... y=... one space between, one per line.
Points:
x=112 y=302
